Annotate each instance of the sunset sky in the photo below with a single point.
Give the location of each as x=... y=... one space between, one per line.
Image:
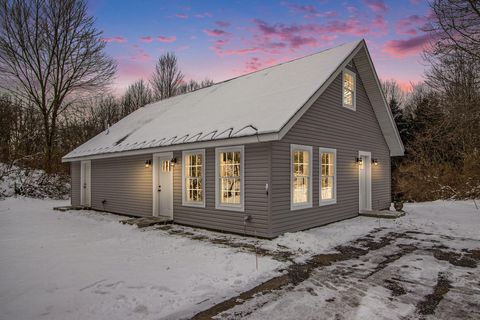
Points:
x=224 y=39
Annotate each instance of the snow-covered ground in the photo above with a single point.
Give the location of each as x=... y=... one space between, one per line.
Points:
x=86 y=265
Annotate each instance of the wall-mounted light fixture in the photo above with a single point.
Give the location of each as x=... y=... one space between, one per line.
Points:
x=148 y=163
x=173 y=161
x=359 y=161
x=375 y=162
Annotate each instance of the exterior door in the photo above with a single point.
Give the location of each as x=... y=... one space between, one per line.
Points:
x=165 y=186
x=85 y=183
x=365 y=181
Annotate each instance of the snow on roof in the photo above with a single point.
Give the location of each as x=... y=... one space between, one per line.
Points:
x=257 y=103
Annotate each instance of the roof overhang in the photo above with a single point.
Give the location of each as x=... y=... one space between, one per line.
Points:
x=179 y=147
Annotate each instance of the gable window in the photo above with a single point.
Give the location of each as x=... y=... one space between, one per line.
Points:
x=229 y=184
x=349 y=89
x=328 y=176
x=193 y=182
x=301 y=177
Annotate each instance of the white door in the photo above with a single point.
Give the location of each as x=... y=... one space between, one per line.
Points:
x=365 y=181
x=165 y=186
x=85 y=183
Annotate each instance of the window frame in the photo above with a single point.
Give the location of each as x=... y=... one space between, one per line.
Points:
x=354 y=75
x=309 y=203
x=185 y=202
x=326 y=202
x=225 y=206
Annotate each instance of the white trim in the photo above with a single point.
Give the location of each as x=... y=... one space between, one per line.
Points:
x=186 y=203
x=309 y=204
x=82 y=182
x=264 y=137
x=291 y=122
x=230 y=207
x=155 y=168
x=334 y=200
x=368 y=165
x=350 y=72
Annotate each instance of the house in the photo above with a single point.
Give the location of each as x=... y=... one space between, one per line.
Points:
x=286 y=148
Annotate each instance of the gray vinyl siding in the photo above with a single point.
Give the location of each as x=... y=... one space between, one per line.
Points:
x=124 y=183
x=75 y=183
x=257 y=169
x=328 y=124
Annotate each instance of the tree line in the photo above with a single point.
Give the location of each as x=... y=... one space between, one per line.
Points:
x=53 y=75
x=53 y=67
x=439 y=120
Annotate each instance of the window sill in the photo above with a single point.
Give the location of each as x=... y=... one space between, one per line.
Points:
x=193 y=204
x=327 y=202
x=353 y=108
x=300 y=206
x=229 y=208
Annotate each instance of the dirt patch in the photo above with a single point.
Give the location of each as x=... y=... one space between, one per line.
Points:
x=430 y=302
x=394 y=287
x=455 y=258
x=404 y=249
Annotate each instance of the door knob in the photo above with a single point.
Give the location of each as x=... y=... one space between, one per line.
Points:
x=159 y=188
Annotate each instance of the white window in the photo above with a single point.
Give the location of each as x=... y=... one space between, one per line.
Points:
x=229 y=184
x=301 y=177
x=349 y=89
x=328 y=176
x=193 y=178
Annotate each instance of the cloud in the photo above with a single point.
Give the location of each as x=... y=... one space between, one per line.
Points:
x=167 y=39
x=204 y=15
x=303 y=8
x=411 y=46
x=216 y=32
x=140 y=55
x=410 y=25
x=380 y=25
x=115 y=39
x=182 y=15
x=222 y=24
x=146 y=39
x=378 y=6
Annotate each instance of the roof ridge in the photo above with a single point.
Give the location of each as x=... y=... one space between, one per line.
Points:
x=256 y=71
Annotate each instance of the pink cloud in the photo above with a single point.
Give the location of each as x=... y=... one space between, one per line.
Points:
x=303 y=8
x=141 y=56
x=115 y=39
x=411 y=46
x=415 y=1
x=380 y=25
x=182 y=15
x=222 y=24
x=378 y=6
x=215 y=32
x=166 y=39
x=146 y=39
x=411 y=24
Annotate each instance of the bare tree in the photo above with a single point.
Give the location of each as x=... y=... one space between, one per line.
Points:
x=137 y=95
x=50 y=52
x=456 y=24
x=167 y=77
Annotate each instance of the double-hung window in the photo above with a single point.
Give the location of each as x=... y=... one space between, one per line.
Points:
x=229 y=184
x=193 y=182
x=301 y=177
x=328 y=176
x=349 y=89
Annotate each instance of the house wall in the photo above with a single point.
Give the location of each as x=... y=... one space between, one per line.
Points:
x=328 y=124
x=75 y=183
x=257 y=170
x=124 y=183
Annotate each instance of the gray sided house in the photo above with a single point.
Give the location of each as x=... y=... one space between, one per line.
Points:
x=287 y=148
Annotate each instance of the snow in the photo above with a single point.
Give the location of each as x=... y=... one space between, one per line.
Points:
x=238 y=107
x=86 y=265
x=33 y=183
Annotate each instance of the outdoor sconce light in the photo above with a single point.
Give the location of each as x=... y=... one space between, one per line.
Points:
x=375 y=162
x=358 y=161
x=148 y=163
x=173 y=161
